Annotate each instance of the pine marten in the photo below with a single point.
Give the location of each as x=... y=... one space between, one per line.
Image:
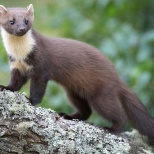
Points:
x=89 y=78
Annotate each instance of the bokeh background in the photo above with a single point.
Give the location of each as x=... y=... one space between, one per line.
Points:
x=122 y=29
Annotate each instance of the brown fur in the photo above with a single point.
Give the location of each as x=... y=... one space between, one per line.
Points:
x=88 y=77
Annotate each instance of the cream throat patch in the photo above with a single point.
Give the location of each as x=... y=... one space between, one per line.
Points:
x=18 y=47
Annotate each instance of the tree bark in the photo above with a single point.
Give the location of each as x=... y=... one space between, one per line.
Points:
x=25 y=129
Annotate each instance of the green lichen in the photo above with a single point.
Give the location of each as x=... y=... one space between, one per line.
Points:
x=23 y=127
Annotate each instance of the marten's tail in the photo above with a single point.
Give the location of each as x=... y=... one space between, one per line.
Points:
x=137 y=113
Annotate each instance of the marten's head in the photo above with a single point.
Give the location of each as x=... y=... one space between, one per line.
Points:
x=16 y=21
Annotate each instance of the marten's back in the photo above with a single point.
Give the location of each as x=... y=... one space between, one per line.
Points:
x=77 y=65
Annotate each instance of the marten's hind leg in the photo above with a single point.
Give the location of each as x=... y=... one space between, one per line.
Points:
x=83 y=109
x=106 y=103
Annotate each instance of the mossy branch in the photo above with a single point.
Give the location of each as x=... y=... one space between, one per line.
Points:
x=25 y=129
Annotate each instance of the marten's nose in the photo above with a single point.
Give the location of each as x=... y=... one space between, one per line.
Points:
x=22 y=29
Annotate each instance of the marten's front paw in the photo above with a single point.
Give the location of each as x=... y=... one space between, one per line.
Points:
x=2 y=88
x=31 y=101
x=65 y=116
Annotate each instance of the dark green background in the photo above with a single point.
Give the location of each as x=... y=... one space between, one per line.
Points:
x=122 y=29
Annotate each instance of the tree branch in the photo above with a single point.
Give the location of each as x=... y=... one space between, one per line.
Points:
x=25 y=129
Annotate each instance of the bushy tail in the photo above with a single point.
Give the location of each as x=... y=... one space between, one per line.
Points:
x=137 y=113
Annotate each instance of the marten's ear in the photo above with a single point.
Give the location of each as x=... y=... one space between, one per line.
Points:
x=30 y=9
x=3 y=10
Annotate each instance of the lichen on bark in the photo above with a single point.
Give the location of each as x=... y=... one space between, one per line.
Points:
x=25 y=129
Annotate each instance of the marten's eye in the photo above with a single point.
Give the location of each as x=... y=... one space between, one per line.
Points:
x=12 y=22
x=26 y=22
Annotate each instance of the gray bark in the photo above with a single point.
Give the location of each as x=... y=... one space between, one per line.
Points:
x=25 y=129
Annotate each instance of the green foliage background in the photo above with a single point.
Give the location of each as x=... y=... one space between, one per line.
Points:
x=123 y=30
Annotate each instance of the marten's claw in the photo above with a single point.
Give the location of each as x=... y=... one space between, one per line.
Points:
x=65 y=116
x=2 y=88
